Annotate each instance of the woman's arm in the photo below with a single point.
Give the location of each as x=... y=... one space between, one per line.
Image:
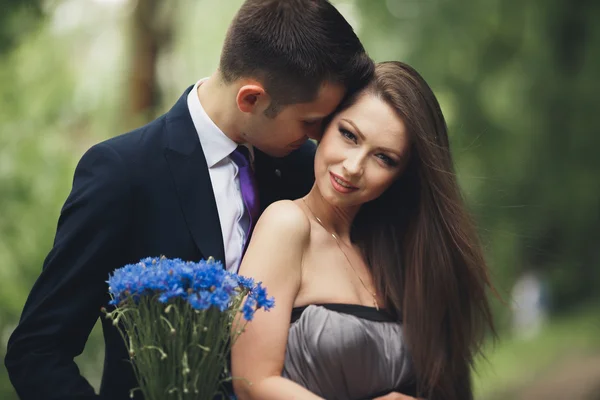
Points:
x=274 y=257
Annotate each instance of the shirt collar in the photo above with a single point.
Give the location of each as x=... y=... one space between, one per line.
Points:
x=250 y=153
x=215 y=144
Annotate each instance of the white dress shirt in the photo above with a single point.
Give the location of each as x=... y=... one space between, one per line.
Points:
x=225 y=181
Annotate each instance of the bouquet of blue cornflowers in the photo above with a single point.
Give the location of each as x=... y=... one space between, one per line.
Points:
x=179 y=320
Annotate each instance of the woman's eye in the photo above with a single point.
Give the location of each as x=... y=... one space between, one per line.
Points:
x=387 y=160
x=348 y=135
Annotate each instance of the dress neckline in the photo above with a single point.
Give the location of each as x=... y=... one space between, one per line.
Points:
x=357 y=310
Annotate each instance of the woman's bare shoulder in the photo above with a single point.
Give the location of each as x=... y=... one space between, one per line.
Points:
x=284 y=217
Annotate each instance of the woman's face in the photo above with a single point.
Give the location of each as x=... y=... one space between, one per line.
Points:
x=363 y=151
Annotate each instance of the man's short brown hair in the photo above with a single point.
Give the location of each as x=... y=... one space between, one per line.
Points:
x=292 y=47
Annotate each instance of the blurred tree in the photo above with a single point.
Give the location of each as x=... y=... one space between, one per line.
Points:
x=517 y=80
x=34 y=168
x=152 y=26
x=16 y=19
x=61 y=87
x=518 y=83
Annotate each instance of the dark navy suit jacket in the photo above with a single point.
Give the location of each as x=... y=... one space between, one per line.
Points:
x=145 y=193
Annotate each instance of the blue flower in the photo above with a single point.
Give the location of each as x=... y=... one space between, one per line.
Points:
x=257 y=299
x=200 y=301
x=220 y=298
x=259 y=293
x=176 y=292
x=202 y=284
x=246 y=283
x=248 y=308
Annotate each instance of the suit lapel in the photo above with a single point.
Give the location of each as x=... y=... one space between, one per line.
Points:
x=189 y=172
x=290 y=177
x=261 y=182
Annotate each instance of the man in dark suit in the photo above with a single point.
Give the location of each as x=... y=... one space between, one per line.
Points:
x=175 y=187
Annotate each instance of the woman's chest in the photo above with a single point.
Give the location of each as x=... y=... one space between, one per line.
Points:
x=331 y=275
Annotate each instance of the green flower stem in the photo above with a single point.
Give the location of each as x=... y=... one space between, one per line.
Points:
x=177 y=352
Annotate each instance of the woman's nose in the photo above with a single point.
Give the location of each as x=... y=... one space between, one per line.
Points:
x=353 y=164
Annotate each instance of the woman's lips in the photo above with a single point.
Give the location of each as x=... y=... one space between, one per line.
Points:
x=340 y=184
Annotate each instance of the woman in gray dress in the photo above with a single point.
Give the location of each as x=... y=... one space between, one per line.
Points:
x=378 y=275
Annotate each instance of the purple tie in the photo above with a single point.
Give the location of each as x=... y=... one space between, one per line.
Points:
x=248 y=187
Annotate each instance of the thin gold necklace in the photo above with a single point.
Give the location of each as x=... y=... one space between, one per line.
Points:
x=373 y=295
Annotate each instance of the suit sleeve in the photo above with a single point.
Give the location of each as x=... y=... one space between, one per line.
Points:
x=65 y=301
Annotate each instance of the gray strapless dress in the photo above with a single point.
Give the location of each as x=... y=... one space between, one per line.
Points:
x=349 y=352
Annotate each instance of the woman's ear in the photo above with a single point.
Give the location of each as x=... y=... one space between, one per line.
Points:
x=250 y=98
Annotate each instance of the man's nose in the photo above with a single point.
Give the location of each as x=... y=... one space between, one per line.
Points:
x=314 y=132
x=315 y=135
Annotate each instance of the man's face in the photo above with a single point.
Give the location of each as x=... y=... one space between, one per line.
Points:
x=294 y=124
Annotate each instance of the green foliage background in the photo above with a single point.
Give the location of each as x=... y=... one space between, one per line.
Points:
x=517 y=80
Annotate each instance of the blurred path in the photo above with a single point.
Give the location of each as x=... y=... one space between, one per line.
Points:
x=576 y=379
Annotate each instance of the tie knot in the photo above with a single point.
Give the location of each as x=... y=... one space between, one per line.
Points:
x=241 y=156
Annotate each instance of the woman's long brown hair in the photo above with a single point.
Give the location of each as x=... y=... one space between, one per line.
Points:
x=423 y=248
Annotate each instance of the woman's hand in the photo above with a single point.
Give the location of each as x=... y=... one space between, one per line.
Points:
x=396 y=396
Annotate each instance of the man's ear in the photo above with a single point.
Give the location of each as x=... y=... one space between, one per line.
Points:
x=250 y=97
